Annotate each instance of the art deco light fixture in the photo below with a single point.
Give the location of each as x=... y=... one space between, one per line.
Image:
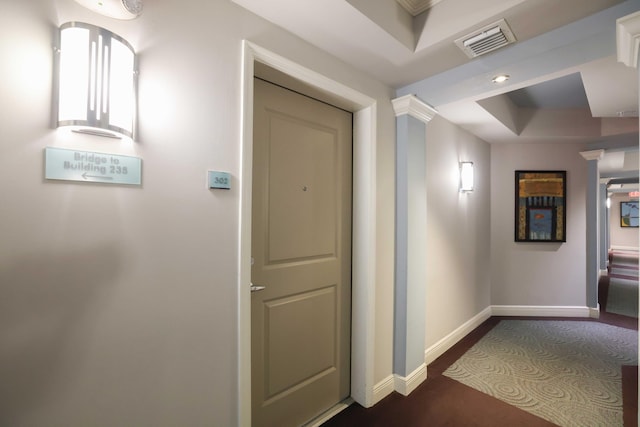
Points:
x=466 y=177
x=97 y=81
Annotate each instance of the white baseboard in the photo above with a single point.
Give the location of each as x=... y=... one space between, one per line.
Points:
x=439 y=348
x=625 y=248
x=603 y=272
x=541 y=311
x=405 y=385
x=383 y=389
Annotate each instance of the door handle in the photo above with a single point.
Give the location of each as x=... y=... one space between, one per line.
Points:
x=256 y=288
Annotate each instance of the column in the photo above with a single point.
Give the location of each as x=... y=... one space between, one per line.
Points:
x=409 y=367
x=604 y=226
x=593 y=183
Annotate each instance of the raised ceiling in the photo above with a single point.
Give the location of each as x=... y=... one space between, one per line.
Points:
x=563 y=92
x=416 y=7
x=410 y=46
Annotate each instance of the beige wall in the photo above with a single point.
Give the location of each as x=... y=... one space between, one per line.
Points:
x=537 y=274
x=458 y=230
x=119 y=304
x=621 y=237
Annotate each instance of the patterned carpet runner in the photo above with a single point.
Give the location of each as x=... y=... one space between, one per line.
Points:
x=567 y=372
x=623 y=284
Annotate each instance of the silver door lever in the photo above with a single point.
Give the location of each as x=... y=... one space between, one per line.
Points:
x=256 y=288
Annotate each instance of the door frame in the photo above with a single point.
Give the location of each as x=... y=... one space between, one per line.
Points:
x=363 y=229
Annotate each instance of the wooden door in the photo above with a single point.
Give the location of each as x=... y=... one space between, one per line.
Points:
x=301 y=248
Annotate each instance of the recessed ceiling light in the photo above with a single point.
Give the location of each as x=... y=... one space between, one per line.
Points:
x=501 y=78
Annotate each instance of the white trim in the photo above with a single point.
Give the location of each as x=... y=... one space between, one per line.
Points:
x=439 y=348
x=594 y=313
x=364 y=243
x=244 y=241
x=602 y=272
x=541 y=311
x=364 y=226
x=405 y=385
x=383 y=389
x=628 y=39
x=409 y=104
x=308 y=76
x=592 y=154
x=624 y=248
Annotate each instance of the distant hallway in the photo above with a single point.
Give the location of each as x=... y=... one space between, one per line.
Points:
x=618 y=289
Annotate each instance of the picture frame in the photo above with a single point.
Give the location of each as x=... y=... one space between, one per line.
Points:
x=540 y=206
x=629 y=214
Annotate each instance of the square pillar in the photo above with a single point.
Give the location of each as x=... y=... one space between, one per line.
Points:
x=592 y=209
x=409 y=367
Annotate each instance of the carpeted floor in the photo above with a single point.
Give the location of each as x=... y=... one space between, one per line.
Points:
x=442 y=401
x=566 y=372
x=623 y=297
x=622 y=290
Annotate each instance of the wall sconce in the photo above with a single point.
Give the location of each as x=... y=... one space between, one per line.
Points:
x=608 y=202
x=466 y=177
x=97 y=81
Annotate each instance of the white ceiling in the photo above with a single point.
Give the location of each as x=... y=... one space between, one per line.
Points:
x=416 y=7
x=417 y=55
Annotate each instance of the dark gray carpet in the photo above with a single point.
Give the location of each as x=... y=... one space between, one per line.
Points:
x=622 y=294
x=623 y=297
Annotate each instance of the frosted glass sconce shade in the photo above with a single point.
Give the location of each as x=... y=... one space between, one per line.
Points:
x=466 y=177
x=96 y=81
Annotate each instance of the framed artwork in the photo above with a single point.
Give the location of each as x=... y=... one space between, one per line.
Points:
x=541 y=206
x=629 y=214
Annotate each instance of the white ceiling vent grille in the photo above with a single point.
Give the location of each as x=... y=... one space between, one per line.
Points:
x=487 y=39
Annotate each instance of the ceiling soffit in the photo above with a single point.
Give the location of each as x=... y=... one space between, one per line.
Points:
x=416 y=54
x=395 y=48
x=416 y=7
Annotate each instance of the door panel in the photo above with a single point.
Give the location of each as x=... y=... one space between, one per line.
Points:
x=301 y=355
x=301 y=244
x=302 y=198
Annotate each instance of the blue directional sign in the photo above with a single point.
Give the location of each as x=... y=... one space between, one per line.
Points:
x=87 y=166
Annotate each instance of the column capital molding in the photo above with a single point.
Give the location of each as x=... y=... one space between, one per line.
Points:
x=628 y=39
x=592 y=155
x=411 y=105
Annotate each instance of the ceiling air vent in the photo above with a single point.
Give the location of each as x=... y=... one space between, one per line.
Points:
x=487 y=39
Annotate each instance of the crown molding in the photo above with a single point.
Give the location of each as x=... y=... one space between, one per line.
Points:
x=592 y=155
x=628 y=39
x=409 y=104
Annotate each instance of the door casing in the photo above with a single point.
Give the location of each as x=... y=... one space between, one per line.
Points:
x=363 y=229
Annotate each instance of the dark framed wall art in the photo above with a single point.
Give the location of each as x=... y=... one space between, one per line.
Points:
x=540 y=209
x=629 y=214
